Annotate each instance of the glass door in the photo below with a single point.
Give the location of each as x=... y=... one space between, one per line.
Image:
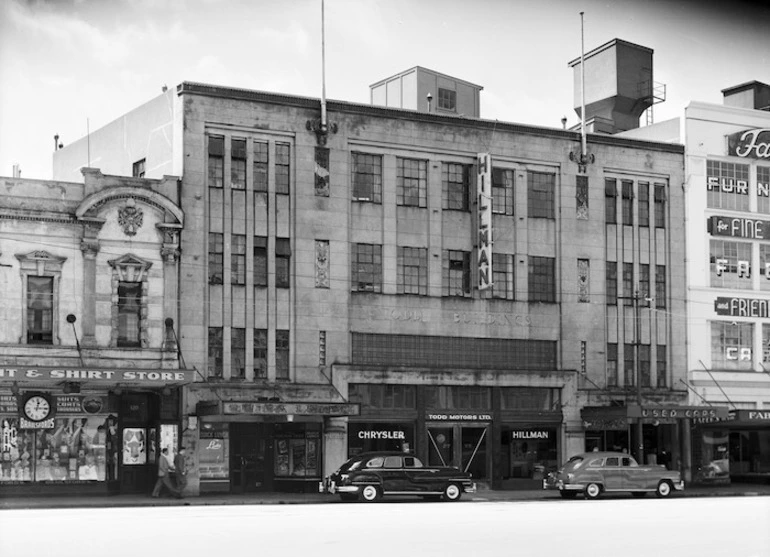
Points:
x=441 y=446
x=464 y=447
x=474 y=451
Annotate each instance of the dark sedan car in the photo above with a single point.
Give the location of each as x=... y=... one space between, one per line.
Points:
x=370 y=476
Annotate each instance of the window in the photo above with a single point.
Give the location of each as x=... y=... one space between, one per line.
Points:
x=660 y=286
x=129 y=314
x=367 y=268
x=39 y=310
x=644 y=365
x=540 y=195
x=542 y=279
x=612 y=461
x=238 y=352
x=367 y=177
x=455 y=180
x=456 y=276
x=392 y=462
x=447 y=99
x=503 y=284
x=260 y=261
x=260 y=353
x=215 y=351
x=644 y=280
x=660 y=206
x=612 y=283
x=281 y=354
x=764 y=266
x=731 y=345
x=216 y=161
x=238 y=259
x=411 y=182
x=629 y=369
x=581 y=197
x=282 y=167
x=610 y=201
x=763 y=189
x=216 y=257
x=628 y=284
x=727 y=185
x=138 y=169
x=412 y=271
x=238 y=164
x=628 y=202
x=644 y=204
x=282 y=262
x=730 y=264
x=661 y=364
x=322 y=171
x=502 y=191
x=612 y=365
x=261 y=160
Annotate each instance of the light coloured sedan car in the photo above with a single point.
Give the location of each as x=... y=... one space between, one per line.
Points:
x=595 y=473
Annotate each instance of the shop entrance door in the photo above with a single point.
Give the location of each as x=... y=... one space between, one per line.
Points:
x=248 y=458
x=459 y=445
x=138 y=455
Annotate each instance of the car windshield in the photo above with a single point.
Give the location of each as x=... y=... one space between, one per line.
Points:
x=350 y=464
x=573 y=463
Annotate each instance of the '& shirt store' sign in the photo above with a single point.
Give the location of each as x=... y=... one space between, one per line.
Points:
x=95 y=375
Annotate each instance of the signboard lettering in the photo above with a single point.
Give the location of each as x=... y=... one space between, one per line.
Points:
x=527 y=434
x=678 y=412
x=750 y=143
x=742 y=307
x=282 y=409
x=484 y=213
x=96 y=375
x=381 y=435
x=753 y=229
x=459 y=417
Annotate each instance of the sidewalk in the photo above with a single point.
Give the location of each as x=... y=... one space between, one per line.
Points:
x=63 y=502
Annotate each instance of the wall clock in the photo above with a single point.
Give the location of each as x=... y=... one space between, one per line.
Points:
x=37 y=407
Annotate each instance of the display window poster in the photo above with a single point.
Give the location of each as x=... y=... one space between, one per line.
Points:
x=134 y=446
x=169 y=437
x=214 y=455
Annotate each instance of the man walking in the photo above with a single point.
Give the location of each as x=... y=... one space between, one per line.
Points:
x=163 y=476
x=181 y=471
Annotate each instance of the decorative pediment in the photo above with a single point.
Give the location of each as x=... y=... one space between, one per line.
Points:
x=41 y=261
x=130 y=268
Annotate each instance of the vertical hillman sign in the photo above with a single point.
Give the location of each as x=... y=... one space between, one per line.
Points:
x=484 y=208
x=750 y=143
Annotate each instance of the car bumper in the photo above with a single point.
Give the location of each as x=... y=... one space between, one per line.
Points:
x=559 y=485
x=330 y=486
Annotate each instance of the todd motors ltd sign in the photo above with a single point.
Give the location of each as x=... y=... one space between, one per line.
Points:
x=753 y=144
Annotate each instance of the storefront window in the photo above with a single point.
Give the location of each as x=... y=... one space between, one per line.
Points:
x=731 y=345
x=214 y=452
x=528 y=452
x=380 y=436
x=529 y=398
x=711 y=458
x=297 y=448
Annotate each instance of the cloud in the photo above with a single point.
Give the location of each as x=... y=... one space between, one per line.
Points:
x=293 y=35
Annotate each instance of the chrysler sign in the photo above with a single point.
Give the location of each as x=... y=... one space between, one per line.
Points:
x=750 y=143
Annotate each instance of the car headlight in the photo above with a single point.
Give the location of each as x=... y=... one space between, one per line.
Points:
x=344 y=477
x=570 y=477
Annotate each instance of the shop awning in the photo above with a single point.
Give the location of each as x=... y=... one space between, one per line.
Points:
x=93 y=377
x=617 y=417
x=239 y=409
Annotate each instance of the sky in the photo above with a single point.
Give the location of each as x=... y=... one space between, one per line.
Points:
x=67 y=66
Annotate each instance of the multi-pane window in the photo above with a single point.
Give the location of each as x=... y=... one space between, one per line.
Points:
x=662 y=372
x=39 y=310
x=503 y=284
x=644 y=280
x=447 y=99
x=238 y=259
x=645 y=378
x=260 y=353
x=629 y=369
x=238 y=164
x=261 y=160
x=610 y=201
x=129 y=314
x=216 y=350
x=660 y=206
x=456 y=180
x=628 y=202
x=367 y=177
x=730 y=264
x=282 y=167
x=412 y=271
x=581 y=197
x=281 y=354
x=660 y=286
x=216 y=161
x=282 y=262
x=727 y=185
x=731 y=345
x=644 y=204
x=764 y=266
x=611 y=274
x=763 y=189
x=502 y=191
x=216 y=257
x=139 y=168
x=366 y=268
x=238 y=352
x=456 y=273
x=260 y=261
x=411 y=182
x=542 y=279
x=612 y=365
x=628 y=284
x=541 y=189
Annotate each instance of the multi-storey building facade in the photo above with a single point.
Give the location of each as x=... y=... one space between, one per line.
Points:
x=728 y=202
x=90 y=384
x=450 y=286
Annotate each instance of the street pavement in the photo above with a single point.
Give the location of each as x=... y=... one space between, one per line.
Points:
x=273 y=498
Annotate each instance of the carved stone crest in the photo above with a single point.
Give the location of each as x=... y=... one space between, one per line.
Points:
x=130 y=218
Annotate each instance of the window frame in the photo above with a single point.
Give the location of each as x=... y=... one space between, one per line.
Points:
x=216 y=258
x=282 y=262
x=541 y=285
x=456 y=192
x=122 y=340
x=216 y=161
x=541 y=195
x=503 y=191
x=447 y=99
x=456 y=268
x=282 y=168
x=410 y=254
x=361 y=191
x=406 y=181
x=282 y=355
x=359 y=271
x=238 y=259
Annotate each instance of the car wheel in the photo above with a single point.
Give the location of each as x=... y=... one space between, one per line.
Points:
x=593 y=491
x=664 y=489
x=568 y=494
x=348 y=497
x=370 y=493
x=452 y=492
x=638 y=493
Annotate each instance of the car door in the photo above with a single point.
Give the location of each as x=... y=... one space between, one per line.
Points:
x=393 y=475
x=612 y=473
x=417 y=477
x=634 y=477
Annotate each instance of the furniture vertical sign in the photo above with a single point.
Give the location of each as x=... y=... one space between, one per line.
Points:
x=484 y=208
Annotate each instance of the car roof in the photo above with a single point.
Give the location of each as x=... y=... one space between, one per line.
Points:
x=382 y=453
x=601 y=454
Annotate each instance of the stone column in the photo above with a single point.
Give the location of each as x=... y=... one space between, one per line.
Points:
x=89 y=245
x=335 y=444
